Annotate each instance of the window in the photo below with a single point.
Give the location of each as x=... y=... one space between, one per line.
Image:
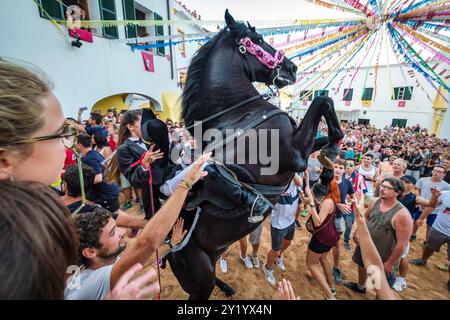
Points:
x=402 y=93
x=303 y=95
x=56 y=9
x=53 y=8
x=348 y=95
x=129 y=14
x=321 y=93
x=367 y=94
x=364 y=121
x=182 y=45
x=108 y=12
x=400 y=122
x=159 y=31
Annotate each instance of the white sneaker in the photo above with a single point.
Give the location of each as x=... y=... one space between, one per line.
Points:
x=399 y=284
x=269 y=275
x=223 y=265
x=279 y=262
x=247 y=262
x=255 y=261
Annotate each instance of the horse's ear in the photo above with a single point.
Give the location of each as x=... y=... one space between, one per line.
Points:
x=253 y=29
x=229 y=19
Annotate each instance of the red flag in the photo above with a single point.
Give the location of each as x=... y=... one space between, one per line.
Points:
x=402 y=103
x=347 y=103
x=148 y=61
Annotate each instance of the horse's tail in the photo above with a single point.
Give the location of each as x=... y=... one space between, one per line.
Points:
x=112 y=169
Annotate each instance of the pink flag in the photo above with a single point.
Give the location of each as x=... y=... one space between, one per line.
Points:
x=148 y=61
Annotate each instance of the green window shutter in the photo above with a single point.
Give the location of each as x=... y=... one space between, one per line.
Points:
x=129 y=13
x=159 y=31
x=395 y=96
x=53 y=8
x=348 y=95
x=303 y=95
x=367 y=94
x=408 y=93
x=108 y=12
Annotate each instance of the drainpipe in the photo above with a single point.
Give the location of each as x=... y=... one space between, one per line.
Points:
x=170 y=33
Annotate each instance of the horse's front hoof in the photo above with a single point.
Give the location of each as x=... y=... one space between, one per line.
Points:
x=325 y=161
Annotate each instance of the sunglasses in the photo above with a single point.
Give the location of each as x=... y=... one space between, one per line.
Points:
x=349 y=165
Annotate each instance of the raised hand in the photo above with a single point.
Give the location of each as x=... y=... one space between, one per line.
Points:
x=435 y=192
x=144 y=287
x=177 y=232
x=197 y=169
x=306 y=199
x=151 y=156
x=285 y=291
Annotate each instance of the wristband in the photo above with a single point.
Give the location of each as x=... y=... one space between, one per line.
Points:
x=168 y=243
x=186 y=185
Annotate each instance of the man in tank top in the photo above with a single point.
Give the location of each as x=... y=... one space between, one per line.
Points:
x=390 y=226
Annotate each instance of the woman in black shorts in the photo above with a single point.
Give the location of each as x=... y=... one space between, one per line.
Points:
x=324 y=237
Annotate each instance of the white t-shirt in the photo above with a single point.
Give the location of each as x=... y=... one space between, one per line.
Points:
x=370 y=172
x=283 y=215
x=442 y=222
x=89 y=284
x=425 y=185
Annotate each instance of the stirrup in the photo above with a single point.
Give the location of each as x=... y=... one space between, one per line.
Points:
x=252 y=218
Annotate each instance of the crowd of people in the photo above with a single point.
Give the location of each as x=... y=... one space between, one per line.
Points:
x=388 y=181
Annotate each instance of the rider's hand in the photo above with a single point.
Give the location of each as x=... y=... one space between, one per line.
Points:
x=151 y=156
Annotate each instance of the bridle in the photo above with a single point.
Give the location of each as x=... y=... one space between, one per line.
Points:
x=246 y=45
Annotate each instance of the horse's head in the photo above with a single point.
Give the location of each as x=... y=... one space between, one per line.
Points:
x=262 y=62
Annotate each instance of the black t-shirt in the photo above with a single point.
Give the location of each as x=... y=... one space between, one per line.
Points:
x=87 y=208
x=413 y=162
x=409 y=201
x=447 y=177
x=74 y=206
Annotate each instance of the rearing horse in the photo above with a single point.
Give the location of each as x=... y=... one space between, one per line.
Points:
x=220 y=76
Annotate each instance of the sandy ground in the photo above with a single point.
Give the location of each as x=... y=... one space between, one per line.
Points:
x=424 y=283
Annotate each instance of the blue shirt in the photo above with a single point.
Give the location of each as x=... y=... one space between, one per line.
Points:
x=100 y=191
x=96 y=129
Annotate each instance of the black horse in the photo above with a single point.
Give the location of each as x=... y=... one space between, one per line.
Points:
x=220 y=76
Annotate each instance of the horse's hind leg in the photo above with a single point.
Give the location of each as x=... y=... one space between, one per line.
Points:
x=194 y=270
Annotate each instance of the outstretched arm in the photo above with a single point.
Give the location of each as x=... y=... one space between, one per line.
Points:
x=369 y=252
x=150 y=238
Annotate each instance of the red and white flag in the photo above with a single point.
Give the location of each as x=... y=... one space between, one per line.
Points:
x=148 y=61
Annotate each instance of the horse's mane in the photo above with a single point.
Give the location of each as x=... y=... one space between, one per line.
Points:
x=193 y=106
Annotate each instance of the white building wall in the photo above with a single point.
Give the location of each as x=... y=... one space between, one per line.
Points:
x=83 y=76
x=383 y=109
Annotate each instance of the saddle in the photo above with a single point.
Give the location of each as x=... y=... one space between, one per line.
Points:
x=217 y=188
